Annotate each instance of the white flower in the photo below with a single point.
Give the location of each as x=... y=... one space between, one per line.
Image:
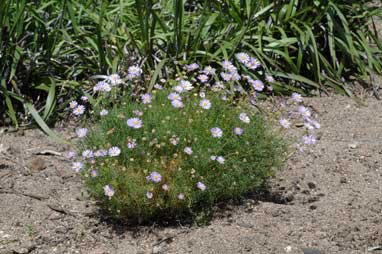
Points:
x=73 y=104
x=186 y=85
x=114 y=79
x=134 y=122
x=206 y=104
x=216 y=132
x=244 y=118
x=77 y=166
x=82 y=132
x=220 y=159
x=188 y=150
x=114 y=151
x=177 y=104
x=103 y=112
x=285 y=123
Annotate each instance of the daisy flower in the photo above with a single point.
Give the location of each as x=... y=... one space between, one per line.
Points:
x=165 y=187
x=134 y=122
x=201 y=186
x=188 y=150
x=296 y=97
x=244 y=118
x=146 y=98
x=155 y=177
x=216 y=132
x=192 y=67
x=134 y=72
x=71 y=154
x=108 y=190
x=101 y=153
x=226 y=76
x=206 y=104
x=79 y=110
x=87 y=154
x=253 y=64
x=258 y=85
x=179 y=89
x=131 y=144
x=177 y=104
x=304 y=112
x=203 y=78
x=138 y=113
x=285 y=123
x=227 y=64
x=73 y=104
x=238 y=131
x=149 y=195
x=84 y=98
x=77 y=166
x=174 y=96
x=309 y=139
x=180 y=196
x=158 y=87
x=82 y=132
x=103 y=112
x=114 y=79
x=269 y=78
x=94 y=173
x=208 y=70
x=174 y=140
x=114 y=151
x=242 y=57
x=186 y=85
x=220 y=159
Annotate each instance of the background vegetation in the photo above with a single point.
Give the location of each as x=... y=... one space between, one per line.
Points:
x=49 y=49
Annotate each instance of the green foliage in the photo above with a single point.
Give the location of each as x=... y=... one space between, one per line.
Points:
x=250 y=158
x=310 y=45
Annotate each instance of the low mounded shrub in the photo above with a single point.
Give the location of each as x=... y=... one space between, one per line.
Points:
x=168 y=154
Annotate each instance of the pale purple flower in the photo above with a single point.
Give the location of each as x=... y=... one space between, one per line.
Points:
x=258 y=85
x=149 y=195
x=243 y=57
x=244 y=118
x=155 y=177
x=101 y=153
x=203 y=78
x=158 y=87
x=94 y=173
x=165 y=187
x=269 y=78
x=180 y=196
x=202 y=94
x=304 y=112
x=146 y=98
x=309 y=139
x=82 y=132
x=103 y=112
x=296 y=97
x=134 y=72
x=73 y=104
x=102 y=86
x=138 y=113
x=178 y=89
x=79 y=110
x=87 y=154
x=285 y=123
x=77 y=166
x=201 y=186
x=188 y=150
x=220 y=159
x=174 y=140
x=253 y=64
x=186 y=85
x=114 y=151
x=208 y=70
x=238 y=131
x=71 y=154
x=84 y=98
x=227 y=65
x=192 y=67
x=226 y=76
x=205 y=104
x=131 y=144
x=177 y=104
x=174 y=96
x=134 y=122
x=114 y=79
x=235 y=76
x=216 y=132
x=108 y=190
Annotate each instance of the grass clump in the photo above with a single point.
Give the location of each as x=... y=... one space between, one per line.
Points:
x=168 y=154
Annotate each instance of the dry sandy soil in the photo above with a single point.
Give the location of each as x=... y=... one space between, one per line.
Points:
x=325 y=200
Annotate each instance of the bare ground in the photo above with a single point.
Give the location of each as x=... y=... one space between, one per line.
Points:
x=325 y=200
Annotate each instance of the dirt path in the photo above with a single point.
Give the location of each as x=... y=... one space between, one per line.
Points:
x=327 y=199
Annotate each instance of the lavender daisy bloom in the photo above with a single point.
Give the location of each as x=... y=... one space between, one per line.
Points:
x=94 y=173
x=201 y=186
x=174 y=140
x=114 y=79
x=180 y=196
x=158 y=87
x=220 y=159
x=238 y=131
x=134 y=122
x=227 y=64
x=87 y=154
x=269 y=78
x=165 y=187
x=149 y=195
x=208 y=70
x=258 y=85
x=73 y=104
x=134 y=72
x=131 y=144
x=103 y=112
x=235 y=76
x=79 y=110
x=203 y=78
x=108 y=190
x=82 y=132
x=155 y=177
x=84 y=98
x=174 y=96
x=304 y=112
x=202 y=94
x=205 y=104
x=77 y=166
x=188 y=150
x=242 y=57
x=179 y=89
x=244 y=118
x=309 y=139
x=192 y=67
x=285 y=123
x=71 y=154
x=186 y=85
x=138 y=113
x=177 y=104
x=146 y=98
x=296 y=97
x=253 y=64
x=114 y=151
x=216 y=132
x=101 y=153
x=226 y=76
